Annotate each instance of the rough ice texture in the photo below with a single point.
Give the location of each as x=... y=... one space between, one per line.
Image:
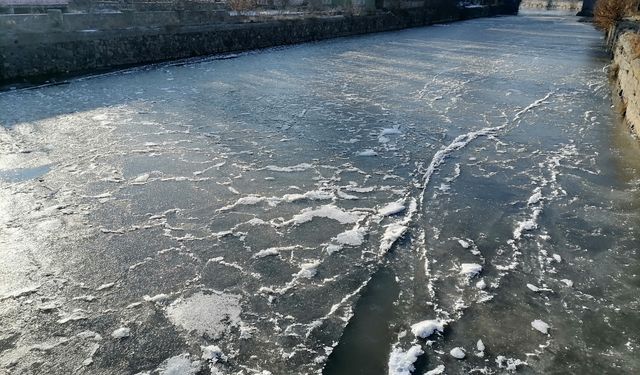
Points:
x=401 y=362
x=426 y=328
x=527 y=225
x=294 y=168
x=457 y=353
x=540 y=326
x=205 y=313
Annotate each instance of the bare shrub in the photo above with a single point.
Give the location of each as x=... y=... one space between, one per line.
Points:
x=242 y=5
x=607 y=13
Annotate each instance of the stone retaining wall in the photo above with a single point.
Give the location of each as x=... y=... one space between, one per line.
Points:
x=32 y=57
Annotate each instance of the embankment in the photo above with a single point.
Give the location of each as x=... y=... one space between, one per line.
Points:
x=624 y=43
x=57 y=44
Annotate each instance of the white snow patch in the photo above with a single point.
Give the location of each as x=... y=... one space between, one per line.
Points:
x=179 y=365
x=308 y=270
x=401 y=362
x=526 y=225
x=481 y=284
x=426 y=328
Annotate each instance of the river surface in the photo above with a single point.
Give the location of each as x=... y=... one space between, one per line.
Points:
x=366 y=205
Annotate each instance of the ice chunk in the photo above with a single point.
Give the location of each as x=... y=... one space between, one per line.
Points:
x=353 y=237
x=212 y=313
x=121 y=333
x=470 y=269
x=391 y=209
x=328 y=211
x=436 y=371
x=557 y=258
x=211 y=353
x=457 y=353
x=180 y=365
x=567 y=282
x=367 y=152
x=105 y=286
x=533 y=287
x=480 y=346
x=426 y=328
x=481 y=284
x=540 y=326
x=401 y=362
x=536 y=197
x=464 y=244
x=295 y=168
x=308 y=270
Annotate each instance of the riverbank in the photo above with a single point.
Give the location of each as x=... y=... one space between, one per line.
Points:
x=37 y=55
x=622 y=41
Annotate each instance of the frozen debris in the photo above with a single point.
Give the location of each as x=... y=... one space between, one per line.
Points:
x=314 y=195
x=541 y=326
x=557 y=258
x=328 y=211
x=121 y=333
x=353 y=237
x=567 y=282
x=367 y=152
x=436 y=371
x=470 y=269
x=481 y=284
x=509 y=364
x=457 y=353
x=212 y=353
x=391 y=209
x=426 y=328
x=401 y=362
x=464 y=244
x=105 y=286
x=75 y=315
x=294 y=168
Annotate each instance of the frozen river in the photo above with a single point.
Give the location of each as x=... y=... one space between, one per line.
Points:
x=378 y=204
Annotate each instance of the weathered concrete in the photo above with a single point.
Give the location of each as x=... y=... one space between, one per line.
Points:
x=574 y=5
x=41 y=55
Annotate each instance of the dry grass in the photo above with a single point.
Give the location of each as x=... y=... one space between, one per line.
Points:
x=607 y=13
